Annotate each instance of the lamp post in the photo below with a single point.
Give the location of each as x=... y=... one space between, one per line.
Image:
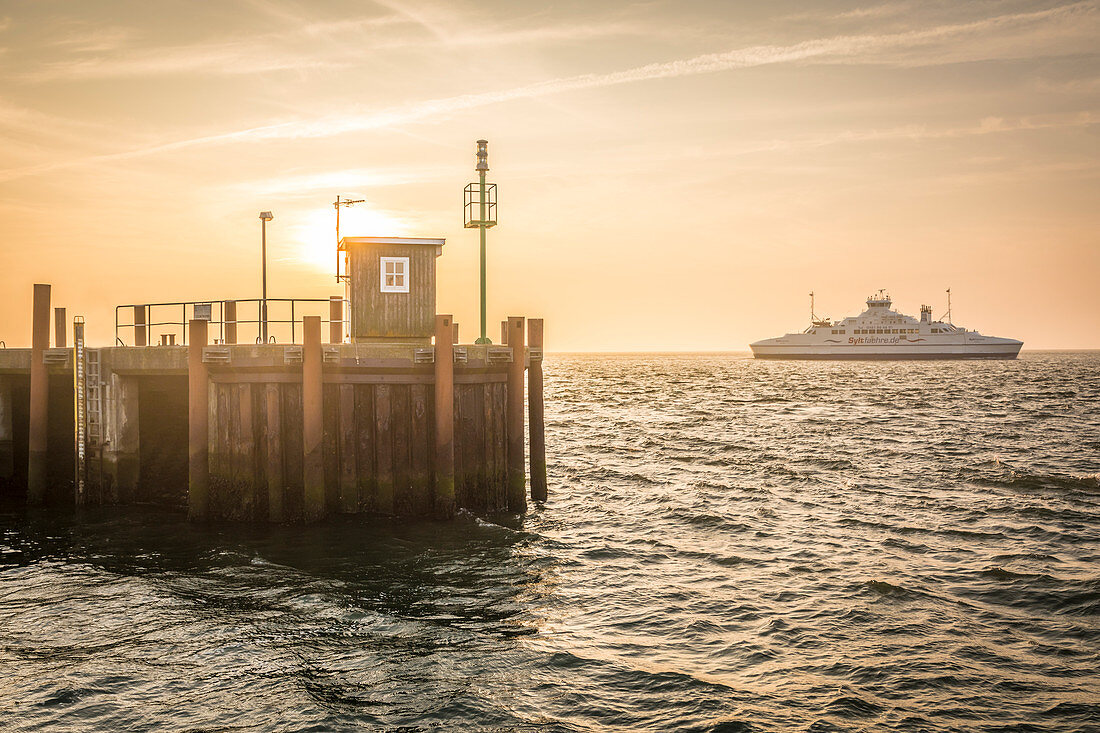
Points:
x=265 y=217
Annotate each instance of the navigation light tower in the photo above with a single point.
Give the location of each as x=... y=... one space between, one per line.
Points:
x=484 y=196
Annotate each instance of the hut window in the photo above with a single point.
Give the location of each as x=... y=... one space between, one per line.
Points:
x=395 y=274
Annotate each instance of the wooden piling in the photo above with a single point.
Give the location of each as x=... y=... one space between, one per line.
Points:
x=330 y=444
x=313 y=463
x=292 y=452
x=383 y=432
x=335 y=319
x=504 y=333
x=219 y=463
x=244 y=452
x=229 y=317
x=141 y=331
x=535 y=411
x=7 y=432
x=517 y=494
x=492 y=458
x=59 y=339
x=273 y=452
x=348 y=445
x=401 y=426
x=454 y=336
x=444 y=497
x=39 y=397
x=365 y=447
x=198 y=420
x=422 y=502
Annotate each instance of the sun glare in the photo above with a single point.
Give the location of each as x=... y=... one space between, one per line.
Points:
x=316 y=234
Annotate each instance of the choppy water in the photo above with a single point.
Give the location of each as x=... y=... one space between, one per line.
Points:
x=731 y=545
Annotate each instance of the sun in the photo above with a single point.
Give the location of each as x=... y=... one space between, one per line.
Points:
x=315 y=235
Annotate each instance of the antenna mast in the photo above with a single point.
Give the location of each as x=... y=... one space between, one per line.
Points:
x=336 y=205
x=812 y=316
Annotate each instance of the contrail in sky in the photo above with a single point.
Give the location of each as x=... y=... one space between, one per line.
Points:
x=840 y=47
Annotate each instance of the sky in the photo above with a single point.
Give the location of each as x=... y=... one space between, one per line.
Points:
x=672 y=175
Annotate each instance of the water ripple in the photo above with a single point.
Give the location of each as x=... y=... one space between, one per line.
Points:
x=730 y=545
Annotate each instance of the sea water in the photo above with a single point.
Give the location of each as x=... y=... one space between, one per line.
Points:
x=730 y=545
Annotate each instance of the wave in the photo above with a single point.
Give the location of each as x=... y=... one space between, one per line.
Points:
x=998 y=573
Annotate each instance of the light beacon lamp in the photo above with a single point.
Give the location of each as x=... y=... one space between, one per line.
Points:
x=486 y=202
x=265 y=217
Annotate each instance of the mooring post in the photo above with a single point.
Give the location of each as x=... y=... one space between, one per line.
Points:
x=313 y=464
x=517 y=480
x=229 y=319
x=40 y=396
x=335 y=319
x=59 y=339
x=444 y=417
x=141 y=331
x=198 y=419
x=454 y=336
x=504 y=332
x=535 y=420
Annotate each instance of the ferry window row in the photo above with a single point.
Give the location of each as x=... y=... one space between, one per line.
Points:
x=886 y=330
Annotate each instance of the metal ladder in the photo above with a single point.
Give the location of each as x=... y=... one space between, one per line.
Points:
x=94 y=392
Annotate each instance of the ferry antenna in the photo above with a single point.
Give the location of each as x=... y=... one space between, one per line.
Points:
x=947 y=316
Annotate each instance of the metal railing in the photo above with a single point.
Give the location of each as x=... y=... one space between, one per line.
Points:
x=145 y=317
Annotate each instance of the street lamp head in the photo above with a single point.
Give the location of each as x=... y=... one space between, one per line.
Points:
x=266 y=215
x=482 y=155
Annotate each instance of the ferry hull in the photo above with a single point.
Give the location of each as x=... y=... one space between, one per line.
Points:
x=984 y=351
x=881 y=357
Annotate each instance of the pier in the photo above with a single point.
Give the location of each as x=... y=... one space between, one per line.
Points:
x=369 y=405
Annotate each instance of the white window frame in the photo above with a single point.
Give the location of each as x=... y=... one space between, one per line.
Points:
x=404 y=274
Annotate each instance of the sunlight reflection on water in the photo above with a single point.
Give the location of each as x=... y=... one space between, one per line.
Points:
x=729 y=545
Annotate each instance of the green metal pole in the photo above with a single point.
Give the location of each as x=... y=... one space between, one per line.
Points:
x=484 y=339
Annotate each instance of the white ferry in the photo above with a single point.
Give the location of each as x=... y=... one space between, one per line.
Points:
x=882 y=333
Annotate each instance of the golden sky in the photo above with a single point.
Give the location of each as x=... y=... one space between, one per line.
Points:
x=673 y=175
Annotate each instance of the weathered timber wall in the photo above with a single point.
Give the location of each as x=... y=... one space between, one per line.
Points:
x=377 y=444
x=162 y=441
x=480 y=447
x=389 y=316
x=376 y=431
x=15 y=432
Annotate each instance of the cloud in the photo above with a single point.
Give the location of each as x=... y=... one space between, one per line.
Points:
x=874 y=48
x=227 y=58
x=101 y=53
x=633 y=161
x=18 y=122
x=349 y=181
x=93 y=40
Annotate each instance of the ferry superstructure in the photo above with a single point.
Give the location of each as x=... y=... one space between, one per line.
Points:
x=882 y=333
